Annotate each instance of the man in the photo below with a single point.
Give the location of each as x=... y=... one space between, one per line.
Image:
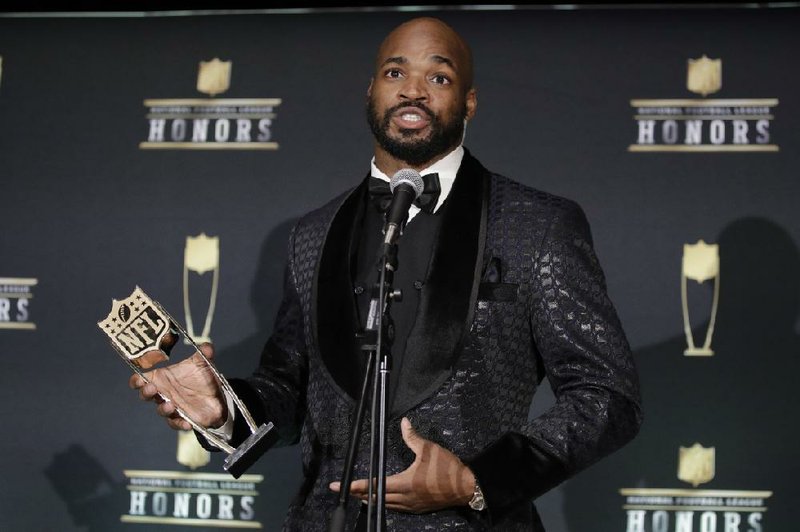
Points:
x=501 y=289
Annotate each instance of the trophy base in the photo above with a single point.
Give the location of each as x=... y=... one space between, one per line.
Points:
x=698 y=352
x=250 y=450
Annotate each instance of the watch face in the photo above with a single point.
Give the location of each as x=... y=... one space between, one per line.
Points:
x=477 y=502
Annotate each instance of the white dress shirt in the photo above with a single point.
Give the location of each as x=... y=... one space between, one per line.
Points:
x=447 y=168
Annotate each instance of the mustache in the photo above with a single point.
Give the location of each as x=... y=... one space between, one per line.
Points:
x=418 y=105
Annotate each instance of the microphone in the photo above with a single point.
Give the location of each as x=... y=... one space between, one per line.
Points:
x=406 y=186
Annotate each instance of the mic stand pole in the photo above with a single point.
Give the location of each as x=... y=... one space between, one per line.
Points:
x=377 y=522
x=377 y=338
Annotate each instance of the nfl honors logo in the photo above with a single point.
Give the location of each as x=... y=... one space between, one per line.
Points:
x=694 y=510
x=183 y=498
x=213 y=123
x=15 y=301
x=704 y=125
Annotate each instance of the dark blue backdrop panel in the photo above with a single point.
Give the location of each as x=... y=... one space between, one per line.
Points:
x=88 y=215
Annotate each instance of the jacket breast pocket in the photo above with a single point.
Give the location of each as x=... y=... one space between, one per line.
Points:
x=500 y=330
x=498 y=292
x=495 y=300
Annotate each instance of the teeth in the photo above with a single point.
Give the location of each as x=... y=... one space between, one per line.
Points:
x=411 y=117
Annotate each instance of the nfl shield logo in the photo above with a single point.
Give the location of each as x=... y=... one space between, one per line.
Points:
x=190 y=452
x=700 y=261
x=136 y=325
x=202 y=253
x=214 y=77
x=704 y=75
x=696 y=464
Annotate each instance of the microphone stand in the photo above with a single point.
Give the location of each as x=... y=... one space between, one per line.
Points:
x=376 y=341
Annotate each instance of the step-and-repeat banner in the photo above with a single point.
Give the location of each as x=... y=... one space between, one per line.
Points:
x=175 y=153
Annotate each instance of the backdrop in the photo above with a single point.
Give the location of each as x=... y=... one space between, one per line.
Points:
x=676 y=130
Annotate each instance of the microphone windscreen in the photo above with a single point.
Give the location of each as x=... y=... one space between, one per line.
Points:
x=410 y=177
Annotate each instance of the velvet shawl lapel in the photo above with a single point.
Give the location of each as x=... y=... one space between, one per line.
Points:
x=447 y=300
x=449 y=295
x=334 y=313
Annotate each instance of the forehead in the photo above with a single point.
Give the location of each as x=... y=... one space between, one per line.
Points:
x=423 y=41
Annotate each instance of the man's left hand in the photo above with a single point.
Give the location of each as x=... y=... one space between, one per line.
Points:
x=437 y=479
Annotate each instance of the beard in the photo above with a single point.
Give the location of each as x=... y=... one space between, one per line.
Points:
x=443 y=136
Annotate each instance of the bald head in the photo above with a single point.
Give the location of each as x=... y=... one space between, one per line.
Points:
x=421 y=96
x=435 y=34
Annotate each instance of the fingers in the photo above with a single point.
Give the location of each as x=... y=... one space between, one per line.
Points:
x=399 y=483
x=178 y=423
x=414 y=441
x=149 y=392
x=151 y=359
x=165 y=408
x=207 y=349
x=395 y=484
x=394 y=501
x=204 y=356
x=136 y=381
x=168 y=410
x=401 y=502
x=357 y=487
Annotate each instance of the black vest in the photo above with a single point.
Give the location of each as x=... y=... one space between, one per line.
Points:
x=413 y=258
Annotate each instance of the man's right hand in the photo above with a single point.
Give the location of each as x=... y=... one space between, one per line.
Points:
x=190 y=384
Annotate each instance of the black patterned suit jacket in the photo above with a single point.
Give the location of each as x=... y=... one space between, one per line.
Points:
x=514 y=294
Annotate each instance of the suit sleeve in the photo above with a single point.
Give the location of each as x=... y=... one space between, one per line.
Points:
x=276 y=390
x=588 y=362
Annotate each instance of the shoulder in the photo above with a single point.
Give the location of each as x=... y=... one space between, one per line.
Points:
x=546 y=206
x=512 y=202
x=522 y=209
x=507 y=192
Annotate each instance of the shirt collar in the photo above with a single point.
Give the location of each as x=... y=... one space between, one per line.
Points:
x=447 y=168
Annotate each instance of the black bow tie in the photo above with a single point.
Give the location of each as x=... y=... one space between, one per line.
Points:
x=381 y=195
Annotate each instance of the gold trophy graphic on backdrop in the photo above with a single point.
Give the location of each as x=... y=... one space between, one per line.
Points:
x=200 y=256
x=140 y=330
x=700 y=263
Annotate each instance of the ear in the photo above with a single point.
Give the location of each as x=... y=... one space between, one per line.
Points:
x=472 y=103
x=369 y=89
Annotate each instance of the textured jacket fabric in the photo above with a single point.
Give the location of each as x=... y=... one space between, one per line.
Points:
x=514 y=294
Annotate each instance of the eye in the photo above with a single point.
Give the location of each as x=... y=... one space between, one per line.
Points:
x=440 y=79
x=394 y=73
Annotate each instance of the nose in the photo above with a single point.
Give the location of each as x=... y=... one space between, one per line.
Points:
x=414 y=89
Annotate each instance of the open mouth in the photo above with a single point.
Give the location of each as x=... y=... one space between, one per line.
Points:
x=411 y=118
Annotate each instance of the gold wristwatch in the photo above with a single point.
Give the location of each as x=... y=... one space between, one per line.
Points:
x=477 y=503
